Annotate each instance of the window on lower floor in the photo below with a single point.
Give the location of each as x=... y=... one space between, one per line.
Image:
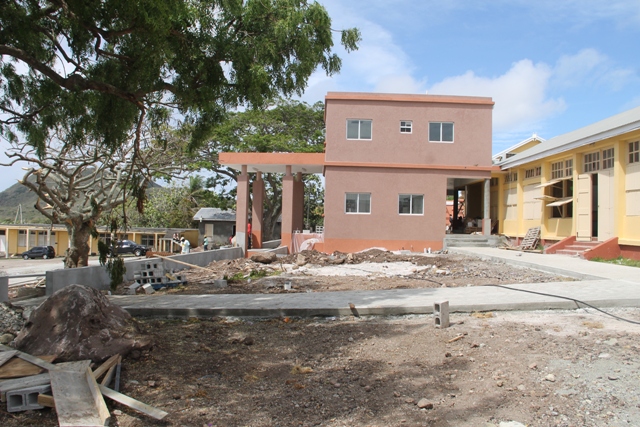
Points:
x=441 y=132
x=405 y=126
x=358 y=129
x=147 y=240
x=634 y=152
x=411 y=204
x=357 y=203
x=562 y=193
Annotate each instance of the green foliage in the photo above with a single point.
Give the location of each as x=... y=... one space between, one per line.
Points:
x=618 y=261
x=108 y=256
x=125 y=60
x=287 y=126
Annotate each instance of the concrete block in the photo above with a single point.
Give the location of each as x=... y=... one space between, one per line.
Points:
x=26 y=399
x=441 y=313
x=220 y=283
x=133 y=288
x=148 y=289
x=4 y=289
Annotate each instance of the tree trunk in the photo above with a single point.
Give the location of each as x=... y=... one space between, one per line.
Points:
x=78 y=253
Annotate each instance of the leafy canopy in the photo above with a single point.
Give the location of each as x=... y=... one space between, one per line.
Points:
x=99 y=68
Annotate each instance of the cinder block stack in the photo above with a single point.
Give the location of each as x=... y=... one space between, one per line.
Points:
x=155 y=275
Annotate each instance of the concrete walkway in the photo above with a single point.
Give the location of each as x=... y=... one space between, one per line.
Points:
x=602 y=285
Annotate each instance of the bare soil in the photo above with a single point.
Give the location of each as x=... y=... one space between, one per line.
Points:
x=553 y=368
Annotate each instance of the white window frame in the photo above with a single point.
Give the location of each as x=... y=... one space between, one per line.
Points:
x=412 y=198
x=634 y=152
x=360 y=121
x=358 y=206
x=441 y=125
x=406 y=126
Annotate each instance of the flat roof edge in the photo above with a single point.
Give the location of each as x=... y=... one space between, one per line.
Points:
x=399 y=97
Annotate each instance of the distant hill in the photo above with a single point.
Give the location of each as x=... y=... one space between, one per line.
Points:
x=18 y=194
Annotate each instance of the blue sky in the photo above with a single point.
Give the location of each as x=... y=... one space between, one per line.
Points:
x=551 y=66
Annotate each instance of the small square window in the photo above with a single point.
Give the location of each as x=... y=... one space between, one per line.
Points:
x=634 y=152
x=405 y=126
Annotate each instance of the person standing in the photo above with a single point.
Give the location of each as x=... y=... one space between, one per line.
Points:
x=249 y=234
x=206 y=243
x=186 y=246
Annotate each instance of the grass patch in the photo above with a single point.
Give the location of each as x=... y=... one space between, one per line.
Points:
x=619 y=261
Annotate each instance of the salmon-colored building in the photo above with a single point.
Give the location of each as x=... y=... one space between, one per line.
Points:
x=390 y=161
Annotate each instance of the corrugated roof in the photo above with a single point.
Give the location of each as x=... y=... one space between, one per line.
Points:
x=214 y=214
x=616 y=125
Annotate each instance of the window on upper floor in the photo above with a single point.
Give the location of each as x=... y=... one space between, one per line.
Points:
x=607 y=158
x=357 y=203
x=406 y=126
x=440 y=131
x=533 y=172
x=411 y=204
x=359 y=129
x=592 y=162
x=557 y=170
x=634 y=152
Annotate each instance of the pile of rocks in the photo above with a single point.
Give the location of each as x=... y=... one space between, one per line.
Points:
x=11 y=321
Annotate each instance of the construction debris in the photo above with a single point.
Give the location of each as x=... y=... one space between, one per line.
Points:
x=71 y=388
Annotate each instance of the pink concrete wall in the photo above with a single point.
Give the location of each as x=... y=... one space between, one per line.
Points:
x=384 y=226
x=472 y=130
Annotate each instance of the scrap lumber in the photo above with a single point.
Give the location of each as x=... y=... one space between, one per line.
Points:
x=29 y=358
x=109 y=375
x=6 y=355
x=113 y=360
x=46 y=400
x=77 y=397
x=19 y=383
x=17 y=368
x=156 y=413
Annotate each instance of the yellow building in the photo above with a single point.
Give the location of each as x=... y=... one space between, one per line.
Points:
x=17 y=238
x=583 y=186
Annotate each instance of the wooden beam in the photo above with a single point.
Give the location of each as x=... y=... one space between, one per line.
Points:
x=109 y=375
x=106 y=366
x=184 y=263
x=78 y=399
x=29 y=358
x=6 y=355
x=17 y=368
x=46 y=401
x=156 y=413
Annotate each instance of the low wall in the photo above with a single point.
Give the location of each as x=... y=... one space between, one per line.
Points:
x=97 y=277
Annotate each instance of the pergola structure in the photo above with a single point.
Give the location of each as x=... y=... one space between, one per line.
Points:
x=293 y=166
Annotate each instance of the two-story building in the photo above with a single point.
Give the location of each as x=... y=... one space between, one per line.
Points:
x=390 y=161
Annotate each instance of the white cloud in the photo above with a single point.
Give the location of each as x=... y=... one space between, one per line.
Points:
x=592 y=68
x=520 y=94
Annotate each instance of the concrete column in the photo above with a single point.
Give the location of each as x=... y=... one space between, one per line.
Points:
x=298 y=202
x=257 y=209
x=242 y=209
x=486 y=221
x=6 y=243
x=287 y=208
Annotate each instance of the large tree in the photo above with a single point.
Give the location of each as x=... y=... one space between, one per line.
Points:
x=287 y=126
x=101 y=68
x=77 y=185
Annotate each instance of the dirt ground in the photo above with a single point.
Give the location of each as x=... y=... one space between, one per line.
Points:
x=552 y=368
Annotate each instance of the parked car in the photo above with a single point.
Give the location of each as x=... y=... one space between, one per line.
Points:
x=129 y=247
x=45 y=252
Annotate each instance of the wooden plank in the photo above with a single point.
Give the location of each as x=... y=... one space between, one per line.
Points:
x=17 y=368
x=78 y=402
x=109 y=375
x=156 y=413
x=46 y=401
x=106 y=366
x=29 y=358
x=184 y=263
x=18 y=383
x=6 y=355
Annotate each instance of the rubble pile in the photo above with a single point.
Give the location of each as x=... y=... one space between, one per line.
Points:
x=11 y=321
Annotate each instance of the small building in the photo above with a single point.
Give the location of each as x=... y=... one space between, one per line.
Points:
x=582 y=186
x=216 y=224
